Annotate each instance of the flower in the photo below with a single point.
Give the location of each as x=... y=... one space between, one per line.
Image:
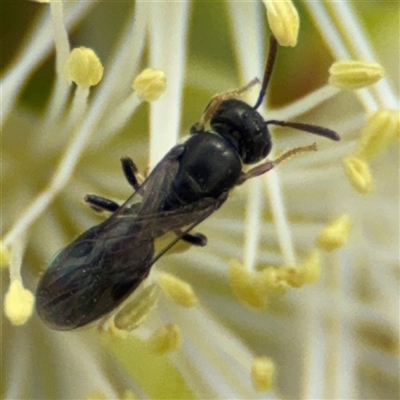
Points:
x=64 y=144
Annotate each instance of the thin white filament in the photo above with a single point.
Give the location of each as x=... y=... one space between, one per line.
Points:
x=60 y=90
x=17 y=252
x=305 y=104
x=168 y=36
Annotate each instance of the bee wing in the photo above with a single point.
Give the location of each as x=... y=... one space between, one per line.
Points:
x=184 y=219
x=94 y=274
x=99 y=269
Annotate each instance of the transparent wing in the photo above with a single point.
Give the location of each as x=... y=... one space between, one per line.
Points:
x=94 y=274
x=97 y=271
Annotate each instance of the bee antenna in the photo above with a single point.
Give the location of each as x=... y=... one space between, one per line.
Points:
x=273 y=48
x=315 y=129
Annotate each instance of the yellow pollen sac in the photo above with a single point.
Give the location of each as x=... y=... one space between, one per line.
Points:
x=133 y=313
x=307 y=272
x=283 y=21
x=358 y=173
x=110 y=329
x=150 y=84
x=380 y=130
x=336 y=234
x=4 y=256
x=262 y=373
x=310 y=269
x=273 y=281
x=18 y=303
x=292 y=276
x=165 y=340
x=83 y=67
x=178 y=290
x=95 y=396
x=247 y=286
x=350 y=74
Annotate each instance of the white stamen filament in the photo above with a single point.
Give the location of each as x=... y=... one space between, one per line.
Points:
x=252 y=225
x=60 y=89
x=168 y=27
x=79 y=349
x=60 y=35
x=120 y=116
x=305 y=104
x=78 y=108
x=16 y=256
x=231 y=360
x=126 y=58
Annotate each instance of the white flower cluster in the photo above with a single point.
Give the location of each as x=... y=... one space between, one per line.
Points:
x=215 y=324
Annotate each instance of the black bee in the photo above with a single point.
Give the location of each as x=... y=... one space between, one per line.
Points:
x=97 y=271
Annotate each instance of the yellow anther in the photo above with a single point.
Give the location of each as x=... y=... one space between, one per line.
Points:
x=150 y=84
x=336 y=234
x=165 y=339
x=135 y=311
x=18 y=303
x=262 y=373
x=247 y=286
x=349 y=74
x=4 y=256
x=84 y=67
x=178 y=290
x=110 y=329
x=309 y=270
x=292 y=276
x=95 y=396
x=358 y=174
x=305 y=273
x=380 y=130
x=273 y=281
x=283 y=21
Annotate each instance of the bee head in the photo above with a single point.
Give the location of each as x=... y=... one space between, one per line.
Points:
x=244 y=127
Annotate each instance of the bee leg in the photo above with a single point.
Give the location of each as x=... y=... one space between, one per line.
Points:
x=98 y=203
x=268 y=165
x=132 y=175
x=196 y=239
x=131 y=172
x=259 y=170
